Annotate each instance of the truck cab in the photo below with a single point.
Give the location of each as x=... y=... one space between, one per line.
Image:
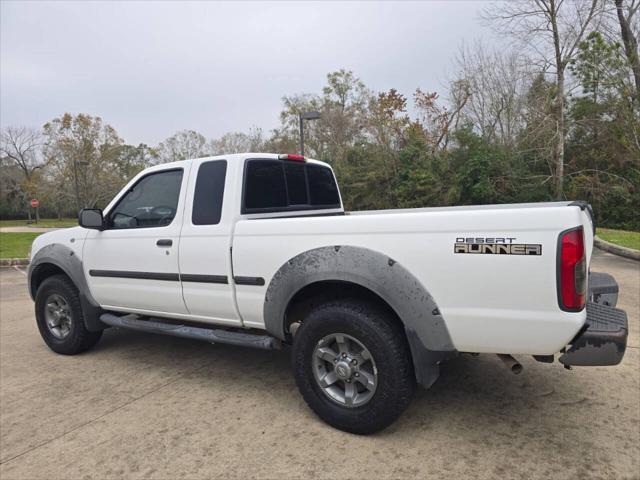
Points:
x=165 y=247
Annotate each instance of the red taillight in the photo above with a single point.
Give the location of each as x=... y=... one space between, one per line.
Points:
x=295 y=158
x=572 y=270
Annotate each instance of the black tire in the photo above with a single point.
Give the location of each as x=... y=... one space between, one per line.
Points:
x=78 y=339
x=384 y=339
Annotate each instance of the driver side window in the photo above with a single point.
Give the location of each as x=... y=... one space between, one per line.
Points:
x=151 y=202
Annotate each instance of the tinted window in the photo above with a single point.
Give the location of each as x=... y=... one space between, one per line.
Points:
x=264 y=187
x=275 y=185
x=152 y=202
x=296 y=183
x=207 y=197
x=322 y=186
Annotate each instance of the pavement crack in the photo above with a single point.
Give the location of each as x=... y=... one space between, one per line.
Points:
x=20 y=270
x=126 y=404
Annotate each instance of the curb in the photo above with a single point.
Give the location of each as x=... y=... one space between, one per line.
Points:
x=616 y=249
x=14 y=262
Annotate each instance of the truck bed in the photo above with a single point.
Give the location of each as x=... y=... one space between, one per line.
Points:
x=490 y=303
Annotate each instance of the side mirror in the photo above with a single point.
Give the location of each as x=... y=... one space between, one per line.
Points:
x=91 y=218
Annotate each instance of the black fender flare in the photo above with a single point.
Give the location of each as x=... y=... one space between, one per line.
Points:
x=66 y=260
x=424 y=325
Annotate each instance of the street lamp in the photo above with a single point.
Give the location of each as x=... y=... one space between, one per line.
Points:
x=306 y=116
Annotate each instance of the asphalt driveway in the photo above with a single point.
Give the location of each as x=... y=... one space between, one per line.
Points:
x=160 y=407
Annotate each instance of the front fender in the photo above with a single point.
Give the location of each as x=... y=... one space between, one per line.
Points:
x=65 y=259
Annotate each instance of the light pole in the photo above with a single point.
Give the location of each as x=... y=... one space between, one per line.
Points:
x=306 y=116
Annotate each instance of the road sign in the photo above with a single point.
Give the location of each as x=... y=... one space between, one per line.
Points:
x=35 y=203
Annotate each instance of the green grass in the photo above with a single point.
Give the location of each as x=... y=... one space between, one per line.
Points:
x=620 y=237
x=16 y=245
x=44 y=222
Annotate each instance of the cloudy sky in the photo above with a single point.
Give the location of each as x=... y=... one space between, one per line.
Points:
x=150 y=69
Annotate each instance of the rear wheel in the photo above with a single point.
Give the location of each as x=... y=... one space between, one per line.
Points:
x=60 y=319
x=352 y=366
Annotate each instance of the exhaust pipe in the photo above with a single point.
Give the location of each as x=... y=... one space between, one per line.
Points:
x=511 y=363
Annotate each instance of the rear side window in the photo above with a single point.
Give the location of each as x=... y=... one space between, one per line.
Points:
x=322 y=186
x=207 y=198
x=277 y=185
x=265 y=186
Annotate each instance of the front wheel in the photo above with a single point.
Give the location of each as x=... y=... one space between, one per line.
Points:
x=352 y=366
x=60 y=319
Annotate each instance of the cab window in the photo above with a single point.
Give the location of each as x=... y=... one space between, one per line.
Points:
x=151 y=202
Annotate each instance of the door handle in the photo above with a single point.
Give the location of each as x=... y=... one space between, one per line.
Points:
x=164 y=242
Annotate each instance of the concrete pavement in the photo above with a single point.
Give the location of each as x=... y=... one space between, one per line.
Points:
x=149 y=406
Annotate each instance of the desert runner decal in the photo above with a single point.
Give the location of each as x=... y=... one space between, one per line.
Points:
x=495 y=245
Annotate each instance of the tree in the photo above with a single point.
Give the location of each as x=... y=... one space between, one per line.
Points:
x=83 y=155
x=537 y=139
x=343 y=108
x=604 y=142
x=286 y=138
x=133 y=159
x=438 y=121
x=386 y=124
x=481 y=170
x=13 y=199
x=605 y=106
x=182 y=145
x=22 y=146
x=498 y=82
x=237 y=142
x=424 y=178
x=625 y=14
x=552 y=29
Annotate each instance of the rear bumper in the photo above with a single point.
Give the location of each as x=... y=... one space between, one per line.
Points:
x=603 y=289
x=603 y=339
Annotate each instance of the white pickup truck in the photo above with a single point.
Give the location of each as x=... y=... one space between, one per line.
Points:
x=256 y=250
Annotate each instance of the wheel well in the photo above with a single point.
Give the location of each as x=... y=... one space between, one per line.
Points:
x=317 y=293
x=41 y=273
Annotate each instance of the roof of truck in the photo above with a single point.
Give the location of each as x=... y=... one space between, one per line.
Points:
x=235 y=157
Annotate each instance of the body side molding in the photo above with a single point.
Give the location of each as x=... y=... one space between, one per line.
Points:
x=197 y=278
x=177 y=277
x=169 y=277
x=255 y=281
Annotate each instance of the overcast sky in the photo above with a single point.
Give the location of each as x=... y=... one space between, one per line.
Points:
x=150 y=69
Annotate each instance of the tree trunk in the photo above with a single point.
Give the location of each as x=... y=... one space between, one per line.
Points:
x=630 y=47
x=558 y=151
x=559 y=144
